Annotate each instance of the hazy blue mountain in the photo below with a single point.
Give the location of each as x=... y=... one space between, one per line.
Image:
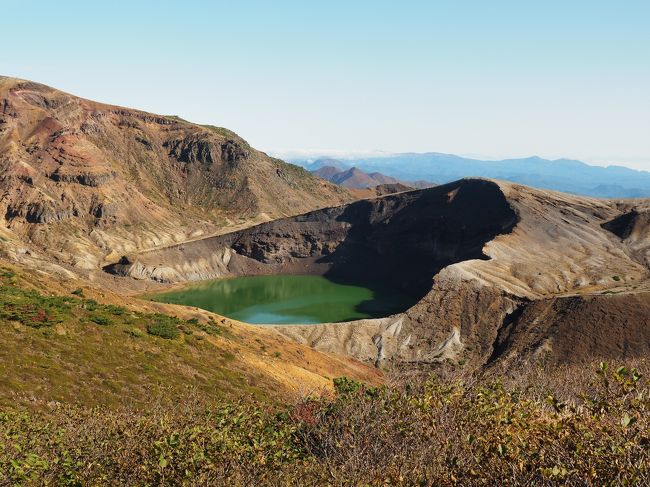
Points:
x=562 y=174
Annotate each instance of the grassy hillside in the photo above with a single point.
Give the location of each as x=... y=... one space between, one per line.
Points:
x=119 y=394
x=71 y=348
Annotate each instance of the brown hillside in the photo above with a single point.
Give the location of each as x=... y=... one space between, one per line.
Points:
x=84 y=181
x=357 y=180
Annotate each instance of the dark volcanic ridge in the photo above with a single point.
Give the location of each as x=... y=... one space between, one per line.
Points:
x=401 y=239
x=502 y=273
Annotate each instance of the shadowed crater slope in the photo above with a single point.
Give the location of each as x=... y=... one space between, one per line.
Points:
x=404 y=239
x=500 y=273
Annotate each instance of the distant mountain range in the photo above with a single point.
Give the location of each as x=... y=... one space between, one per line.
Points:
x=565 y=175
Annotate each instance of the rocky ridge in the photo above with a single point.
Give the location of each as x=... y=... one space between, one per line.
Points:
x=504 y=273
x=83 y=182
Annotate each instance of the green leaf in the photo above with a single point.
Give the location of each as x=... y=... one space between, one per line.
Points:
x=628 y=420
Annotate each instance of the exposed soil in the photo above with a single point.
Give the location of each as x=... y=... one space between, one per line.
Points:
x=83 y=182
x=500 y=271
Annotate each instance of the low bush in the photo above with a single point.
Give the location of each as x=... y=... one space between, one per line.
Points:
x=422 y=433
x=90 y=304
x=134 y=332
x=115 y=310
x=100 y=319
x=164 y=326
x=31 y=308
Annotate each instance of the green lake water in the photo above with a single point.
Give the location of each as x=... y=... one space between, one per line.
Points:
x=285 y=299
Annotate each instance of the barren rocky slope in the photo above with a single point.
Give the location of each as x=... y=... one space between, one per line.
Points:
x=82 y=181
x=502 y=273
x=505 y=273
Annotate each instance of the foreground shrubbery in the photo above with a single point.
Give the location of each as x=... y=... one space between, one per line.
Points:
x=431 y=433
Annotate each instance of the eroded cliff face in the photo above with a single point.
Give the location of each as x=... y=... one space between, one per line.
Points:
x=502 y=273
x=404 y=239
x=84 y=182
x=568 y=283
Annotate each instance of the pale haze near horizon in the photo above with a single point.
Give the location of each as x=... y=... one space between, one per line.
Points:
x=484 y=79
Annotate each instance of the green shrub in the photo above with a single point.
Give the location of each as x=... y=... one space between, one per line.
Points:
x=210 y=328
x=344 y=385
x=164 y=326
x=90 y=304
x=115 y=310
x=134 y=332
x=101 y=319
x=31 y=308
x=425 y=432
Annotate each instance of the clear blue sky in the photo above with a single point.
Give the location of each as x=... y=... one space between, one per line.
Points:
x=491 y=78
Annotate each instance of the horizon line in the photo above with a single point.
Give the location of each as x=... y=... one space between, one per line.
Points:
x=314 y=154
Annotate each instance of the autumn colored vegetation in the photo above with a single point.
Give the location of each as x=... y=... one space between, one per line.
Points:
x=530 y=425
x=593 y=429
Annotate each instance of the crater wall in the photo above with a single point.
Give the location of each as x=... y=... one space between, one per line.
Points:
x=502 y=273
x=404 y=238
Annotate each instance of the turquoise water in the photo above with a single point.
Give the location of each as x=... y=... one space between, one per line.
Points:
x=286 y=299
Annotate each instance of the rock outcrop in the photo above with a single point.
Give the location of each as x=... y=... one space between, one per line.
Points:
x=502 y=273
x=405 y=239
x=82 y=181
